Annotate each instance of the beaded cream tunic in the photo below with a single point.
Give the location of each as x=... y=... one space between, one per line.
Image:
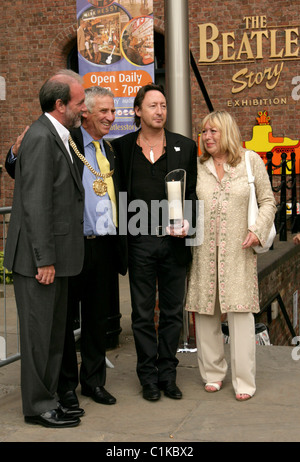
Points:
x=225 y=228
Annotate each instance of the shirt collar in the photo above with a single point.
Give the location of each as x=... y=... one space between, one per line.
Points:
x=88 y=139
x=61 y=130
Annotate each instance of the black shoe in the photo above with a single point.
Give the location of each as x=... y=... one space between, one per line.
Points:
x=71 y=411
x=100 y=395
x=170 y=389
x=69 y=400
x=151 y=392
x=53 y=419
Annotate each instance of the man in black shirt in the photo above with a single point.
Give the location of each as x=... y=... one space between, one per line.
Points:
x=146 y=157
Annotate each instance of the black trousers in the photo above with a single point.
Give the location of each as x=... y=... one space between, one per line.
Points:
x=152 y=265
x=96 y=287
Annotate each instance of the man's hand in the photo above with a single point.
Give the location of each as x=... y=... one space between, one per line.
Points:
x=16 y=146
x=179 y=232
x=45 y=274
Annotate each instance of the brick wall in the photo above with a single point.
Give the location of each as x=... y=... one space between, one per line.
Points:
x=280 y=273
x=228 y=17
x=36 y=38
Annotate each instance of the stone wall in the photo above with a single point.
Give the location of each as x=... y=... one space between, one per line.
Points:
x=279 y=273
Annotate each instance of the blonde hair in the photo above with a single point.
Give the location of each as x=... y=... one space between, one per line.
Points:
x=231 y=141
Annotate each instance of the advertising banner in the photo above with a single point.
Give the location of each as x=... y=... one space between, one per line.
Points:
x=116 y=50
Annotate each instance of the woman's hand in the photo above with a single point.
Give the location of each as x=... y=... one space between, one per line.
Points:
x=296 y=239
x=250 y=241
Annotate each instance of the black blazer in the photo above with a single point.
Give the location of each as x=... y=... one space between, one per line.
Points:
x=46 y=225
x=76 y=134
x=181 y=153
x=10 y=166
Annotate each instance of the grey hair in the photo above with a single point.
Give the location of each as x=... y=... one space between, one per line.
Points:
x=92 y=92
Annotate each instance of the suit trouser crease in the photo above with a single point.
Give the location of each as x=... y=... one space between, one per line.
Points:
x=42 y=313
x=152 y=267
x=96 y=289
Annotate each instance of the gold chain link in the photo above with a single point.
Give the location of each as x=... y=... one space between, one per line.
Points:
x=83 y=159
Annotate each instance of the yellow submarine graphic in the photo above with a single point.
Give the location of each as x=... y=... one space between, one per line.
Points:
x=263 y=141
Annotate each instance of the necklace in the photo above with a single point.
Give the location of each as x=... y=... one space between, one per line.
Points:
x=151 y=147
x=99 y=185
x=219 y=163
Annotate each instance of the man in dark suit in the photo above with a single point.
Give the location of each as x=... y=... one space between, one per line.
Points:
x=45 y=245
x=146 y=157
x=96 y=287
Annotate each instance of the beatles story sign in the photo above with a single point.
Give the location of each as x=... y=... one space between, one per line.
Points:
x=277 y=45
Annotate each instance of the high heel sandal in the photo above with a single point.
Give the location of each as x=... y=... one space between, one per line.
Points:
x=242 y=396
x=212 y=387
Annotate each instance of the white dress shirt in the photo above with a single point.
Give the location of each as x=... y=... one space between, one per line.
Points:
x=62 y=131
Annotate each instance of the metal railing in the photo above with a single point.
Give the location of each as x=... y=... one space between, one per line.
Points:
x=268 y=307
x=9 y=323
x=284 y=174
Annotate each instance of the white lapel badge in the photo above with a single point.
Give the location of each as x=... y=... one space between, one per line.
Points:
x=177 y=149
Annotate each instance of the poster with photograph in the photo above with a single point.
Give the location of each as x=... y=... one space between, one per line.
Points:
x=116 y=50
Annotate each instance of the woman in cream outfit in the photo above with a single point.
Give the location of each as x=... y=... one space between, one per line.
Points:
x=223 y=276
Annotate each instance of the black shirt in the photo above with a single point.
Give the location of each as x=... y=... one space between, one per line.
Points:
x=148 y=189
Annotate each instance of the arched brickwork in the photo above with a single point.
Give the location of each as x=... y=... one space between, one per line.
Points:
x=61 y=47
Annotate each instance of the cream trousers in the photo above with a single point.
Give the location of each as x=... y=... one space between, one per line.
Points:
x=210 y=349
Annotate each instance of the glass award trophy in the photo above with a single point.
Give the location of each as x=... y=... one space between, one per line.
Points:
x=175 y=189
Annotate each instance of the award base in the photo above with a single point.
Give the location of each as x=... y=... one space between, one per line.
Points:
x=176 y=224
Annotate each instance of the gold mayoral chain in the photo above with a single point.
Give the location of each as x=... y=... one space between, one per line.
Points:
x=99 y=185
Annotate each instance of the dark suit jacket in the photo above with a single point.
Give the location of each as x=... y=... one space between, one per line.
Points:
x=46 y=225
x=183 y=157
x=121 y=263
x=10 y=166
